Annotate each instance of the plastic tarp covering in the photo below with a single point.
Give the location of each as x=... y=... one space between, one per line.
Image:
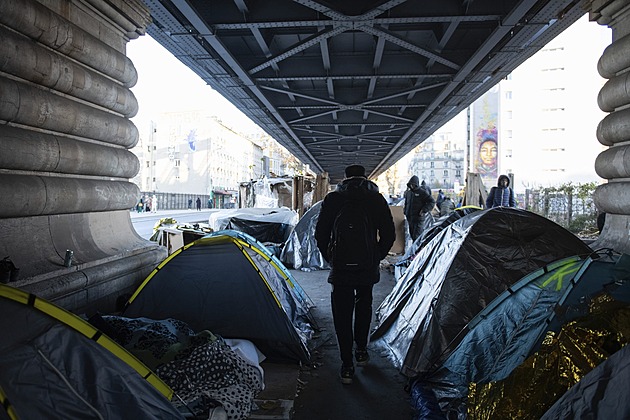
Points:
x=275 y=233
x=436 y=226
x=458 y=273
x=50 y=370
x=265 y=224
x=231 y=285
x=300 y=250
x=601 y=394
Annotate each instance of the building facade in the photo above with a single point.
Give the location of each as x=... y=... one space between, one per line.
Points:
x=194 y=152
x=544 y=130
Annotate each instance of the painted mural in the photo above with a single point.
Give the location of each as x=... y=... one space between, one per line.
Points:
x=486 y=138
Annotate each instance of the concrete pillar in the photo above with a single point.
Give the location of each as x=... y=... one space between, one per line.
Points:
x=613 y=131
x=65 y=135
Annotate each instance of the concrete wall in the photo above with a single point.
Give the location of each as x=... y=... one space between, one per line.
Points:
x=65 y=135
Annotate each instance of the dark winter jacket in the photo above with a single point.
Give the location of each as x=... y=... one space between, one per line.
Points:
x=500 y=195
x=356 y=188
x=417 y=200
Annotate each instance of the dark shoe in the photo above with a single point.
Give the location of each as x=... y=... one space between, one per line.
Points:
x=347 y=374
x=362 y=357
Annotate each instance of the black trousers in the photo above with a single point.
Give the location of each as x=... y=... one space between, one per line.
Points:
x=348 y=302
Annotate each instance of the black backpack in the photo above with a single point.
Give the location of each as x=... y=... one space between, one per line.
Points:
x=353 y=241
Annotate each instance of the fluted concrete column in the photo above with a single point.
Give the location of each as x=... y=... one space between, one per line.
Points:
x=613 y=164
x=65 y=135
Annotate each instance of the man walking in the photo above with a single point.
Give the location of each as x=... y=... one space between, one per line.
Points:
x=354 y=232
x=418 y=204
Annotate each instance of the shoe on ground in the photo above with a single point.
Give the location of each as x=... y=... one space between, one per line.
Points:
x=362 y=357
x=346 y=374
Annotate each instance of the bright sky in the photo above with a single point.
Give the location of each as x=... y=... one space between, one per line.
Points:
x=167 y=85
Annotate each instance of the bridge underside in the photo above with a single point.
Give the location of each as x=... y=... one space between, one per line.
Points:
x=335 y=84
x=355 y=82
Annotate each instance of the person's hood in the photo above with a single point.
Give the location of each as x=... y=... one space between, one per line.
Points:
x=413 y=180
x=501 y=178
x=357 y=185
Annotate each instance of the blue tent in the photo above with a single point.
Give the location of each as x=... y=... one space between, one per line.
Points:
x=456 y=275
x=513 y=326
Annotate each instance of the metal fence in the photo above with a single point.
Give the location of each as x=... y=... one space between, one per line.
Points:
x=172 y=201
x=571 y=206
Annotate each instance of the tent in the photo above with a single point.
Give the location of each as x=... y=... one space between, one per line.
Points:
x=300 y=250
x=230 y=284
x=53 y=362
x=267 y=225
x=563 y=361
x=431 y=230
x=464 y=268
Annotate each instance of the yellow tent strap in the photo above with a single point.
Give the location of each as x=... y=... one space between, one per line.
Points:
x=242 y=245
x=89 y=331
x=6 y=404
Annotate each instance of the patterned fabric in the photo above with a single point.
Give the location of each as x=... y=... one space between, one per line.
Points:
x=202 y=369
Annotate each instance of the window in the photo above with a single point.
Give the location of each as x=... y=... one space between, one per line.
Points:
x=508 y=115
x=154 y=163
x=432 y=165
x=508 y=133
x=446 y=172
x=508 y=94
x=178 y=162
x=148 y=164
x=508 y=153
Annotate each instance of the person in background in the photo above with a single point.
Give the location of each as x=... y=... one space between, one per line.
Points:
x=446 y=206
x=154 y=204
x=351 y=295
x=426 y=187
x=440 y=198
x=501 y=195
x=198 y=204
x=418 y=204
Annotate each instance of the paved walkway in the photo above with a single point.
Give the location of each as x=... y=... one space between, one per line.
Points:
x=315 y=392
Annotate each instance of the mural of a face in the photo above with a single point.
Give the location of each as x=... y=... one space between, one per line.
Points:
x=488 y=153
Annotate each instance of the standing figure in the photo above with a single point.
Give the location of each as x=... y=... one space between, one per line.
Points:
x=198 y=204
x=446 y=206
x=440 y=198
x=418 y=204
x=354 y=232
x=501 y=195
x=190 y=204
x=154 y=204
